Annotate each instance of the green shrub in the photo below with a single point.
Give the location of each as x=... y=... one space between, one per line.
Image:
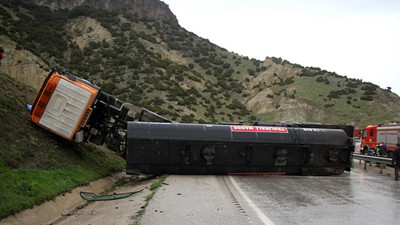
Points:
x=367 y=98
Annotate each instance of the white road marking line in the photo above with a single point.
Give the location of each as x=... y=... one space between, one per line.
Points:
x=264 y=219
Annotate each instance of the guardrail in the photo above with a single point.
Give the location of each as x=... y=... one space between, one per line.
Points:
x=373 y=159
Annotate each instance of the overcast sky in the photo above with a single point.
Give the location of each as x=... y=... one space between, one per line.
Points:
x=354 y=38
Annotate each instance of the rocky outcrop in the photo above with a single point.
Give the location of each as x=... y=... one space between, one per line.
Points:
x=155 y=9
x=22 y=65
x=83 y=30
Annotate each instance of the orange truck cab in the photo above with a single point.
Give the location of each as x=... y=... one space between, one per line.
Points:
x=63 y=104
x=73 y=107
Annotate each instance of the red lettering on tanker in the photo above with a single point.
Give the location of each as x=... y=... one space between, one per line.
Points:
x=258 y=129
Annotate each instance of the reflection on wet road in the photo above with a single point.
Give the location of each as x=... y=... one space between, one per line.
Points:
x=351 y=198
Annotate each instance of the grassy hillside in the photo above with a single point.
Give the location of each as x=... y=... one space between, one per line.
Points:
x=159 y=65
x=312 y=94
x=35 y=165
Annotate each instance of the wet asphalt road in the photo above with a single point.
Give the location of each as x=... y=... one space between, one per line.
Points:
x=357 y=197
x=196 y=200
x=352 y=198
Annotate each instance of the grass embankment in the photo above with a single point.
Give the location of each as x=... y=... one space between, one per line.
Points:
x=35 y=165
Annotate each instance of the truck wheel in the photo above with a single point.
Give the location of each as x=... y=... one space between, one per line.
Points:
x=390 y=154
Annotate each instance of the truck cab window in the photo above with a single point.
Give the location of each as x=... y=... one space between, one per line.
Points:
x=365 y=133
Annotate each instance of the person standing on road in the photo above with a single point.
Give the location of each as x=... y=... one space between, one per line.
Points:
x=376 y=150
x=396 y=162
x=382 y=150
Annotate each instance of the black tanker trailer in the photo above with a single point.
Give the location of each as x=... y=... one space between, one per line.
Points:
x=263 y=148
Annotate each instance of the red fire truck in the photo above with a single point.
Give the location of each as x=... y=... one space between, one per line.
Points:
x=372 y=135
x=357 y=134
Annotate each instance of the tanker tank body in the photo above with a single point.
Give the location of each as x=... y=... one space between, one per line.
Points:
x=270 y=148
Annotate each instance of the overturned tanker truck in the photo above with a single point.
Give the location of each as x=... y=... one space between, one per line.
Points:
x=263 y=148
x=77 y=110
